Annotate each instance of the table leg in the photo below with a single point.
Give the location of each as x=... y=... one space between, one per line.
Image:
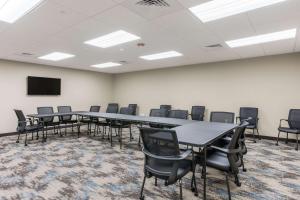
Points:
x=204 y=172
x=110 y=134
x=78 y=125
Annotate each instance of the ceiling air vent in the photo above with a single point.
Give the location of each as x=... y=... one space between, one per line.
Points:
x=153 y=3
x=214 y=46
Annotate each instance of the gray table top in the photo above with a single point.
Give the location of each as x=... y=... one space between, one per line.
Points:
x=195 y=133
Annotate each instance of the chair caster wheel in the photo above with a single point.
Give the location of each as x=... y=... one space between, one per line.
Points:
x=196 y=194
x=276 y=144
x=254 y=141
x=244 y=170
x=238 y=184
x=193 y=189
x=17 y=141
x=26 y=145
x=142 y=198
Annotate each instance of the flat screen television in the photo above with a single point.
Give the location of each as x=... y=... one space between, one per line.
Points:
x=43 y=86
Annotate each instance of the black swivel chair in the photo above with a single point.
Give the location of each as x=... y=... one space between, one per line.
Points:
x=222 y=117
x=48 y=122
x=245 y=113
x=227 y=159
x=133 y=107
x=66 y=120
x=197 y=113
x=26 y=125
x=91 y=120
x=293 y=126
x=157 y=113
x=177 y=114
x=120 y=125
x=163 y=159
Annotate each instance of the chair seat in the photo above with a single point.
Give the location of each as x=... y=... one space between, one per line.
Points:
x=185 y=166
x=251 y=127
x=289 y=130
x=218 y=160
x=33 y=128
x=51 y=123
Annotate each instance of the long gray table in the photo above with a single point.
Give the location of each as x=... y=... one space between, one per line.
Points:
x=189 y=132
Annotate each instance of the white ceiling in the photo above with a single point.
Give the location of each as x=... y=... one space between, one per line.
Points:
x=63 y=25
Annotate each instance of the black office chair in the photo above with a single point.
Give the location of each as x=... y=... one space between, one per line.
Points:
x=222 y=117
x=157 y=113
x=48 y=122
x=294 y=126
x=166 y=107
x=120 y=125
x=91 y=120
x=163 y=159
x=27 y=125
x=227 y=159
x=133 y=107
x=197 y=113
x=111 y=108
x=246 y=112
x=66 y=120
x=178 y=114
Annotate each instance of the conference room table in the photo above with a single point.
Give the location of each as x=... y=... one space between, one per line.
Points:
x=189 y=132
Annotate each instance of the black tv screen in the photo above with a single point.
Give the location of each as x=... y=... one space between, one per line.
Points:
x=43 y=86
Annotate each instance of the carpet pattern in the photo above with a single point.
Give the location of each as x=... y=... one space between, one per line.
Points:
x=89 y=168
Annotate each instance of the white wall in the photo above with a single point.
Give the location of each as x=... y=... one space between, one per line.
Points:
x=269 y=83
x=80 y=89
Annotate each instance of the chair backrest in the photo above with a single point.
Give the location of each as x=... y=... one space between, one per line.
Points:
x=198 y=113
x=133 y=107
x=64 y=109
x=294 y=118
x=126 y=111
x=112 y=108
x=95 y=108
x=158 y=113
x=167 y=107
x=246 y=112
x=21 y=120
x=223 y=117
x=179 y=114
x=160 y=142
x=234 y=159
x=45 y=111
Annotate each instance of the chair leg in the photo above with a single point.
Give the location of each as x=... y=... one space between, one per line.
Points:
x=243 y=165
x=142 y=189
x=287 y=138
x=155 y=181
x=37 y=135
x=228 y=187
x=253 y=133
x=297 y=142
x=26 y=140
x=18 y=140
x=31 y=135
x=130 y=133
x=277 y=138
x=258 y=134
x=237 y=181
x=180 y=186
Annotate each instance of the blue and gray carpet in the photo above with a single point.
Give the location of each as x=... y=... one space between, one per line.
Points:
x=89 y=168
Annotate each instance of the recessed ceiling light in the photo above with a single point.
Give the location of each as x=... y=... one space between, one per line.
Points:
x=167 y=54
x=218 y=9
x=112 y=39
x=12 y=10
x=270 y=37
x=106 y=65
x=56 y=56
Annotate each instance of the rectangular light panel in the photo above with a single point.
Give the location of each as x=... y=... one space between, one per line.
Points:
x=112 y=39
x=168 y=54
x=270 y=37
x=218 y=9
x=106 y=65
x=56 y=56
x=12 y=10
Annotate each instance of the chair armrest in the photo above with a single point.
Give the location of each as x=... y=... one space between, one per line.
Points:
x=171 y=158
x=227 y=151
x=281 y=120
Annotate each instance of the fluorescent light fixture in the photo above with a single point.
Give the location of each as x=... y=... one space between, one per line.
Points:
x=112 y=39
x=218 y=9
x=167 y=54
x=12 y=10
x=106 y=65
x=270 y=37
x=56 y=56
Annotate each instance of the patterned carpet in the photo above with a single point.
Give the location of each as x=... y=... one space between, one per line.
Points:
x=88 y=168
